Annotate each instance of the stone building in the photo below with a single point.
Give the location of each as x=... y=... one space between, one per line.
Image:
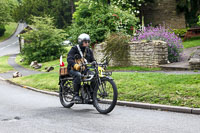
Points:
x=163 y=11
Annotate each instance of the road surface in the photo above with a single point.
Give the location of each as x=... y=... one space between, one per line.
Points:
x=11 y=46
x=26 y=111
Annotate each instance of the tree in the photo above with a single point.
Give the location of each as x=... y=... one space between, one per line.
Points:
x=98 y=19
x=133 y=6
x=191 y=9
x=60 y=10
x=6 y=7
x=44 y=42
x=198 y=21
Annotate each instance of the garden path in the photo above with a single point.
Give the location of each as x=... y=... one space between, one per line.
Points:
x=183 y=64
x=22 y=70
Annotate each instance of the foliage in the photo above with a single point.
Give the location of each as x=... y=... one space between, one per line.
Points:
x=191 y=9
x=132 y=6
x=180 y=32
x=6 y=9
x=60 y=10
x=10 y=29
x=174 y=43
x=97 y=20
x=117 y=48
x=43 y=43
x=2 y=30
x=198 y=21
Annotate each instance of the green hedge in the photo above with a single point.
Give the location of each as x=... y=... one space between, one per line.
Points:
x=2 y=30
x=180 y=32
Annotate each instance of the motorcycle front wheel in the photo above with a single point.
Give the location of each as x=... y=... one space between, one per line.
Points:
x=105 y=96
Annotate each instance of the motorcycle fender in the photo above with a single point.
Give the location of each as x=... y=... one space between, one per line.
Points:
x=108 y=77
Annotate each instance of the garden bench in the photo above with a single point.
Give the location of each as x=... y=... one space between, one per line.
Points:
x=193 y=32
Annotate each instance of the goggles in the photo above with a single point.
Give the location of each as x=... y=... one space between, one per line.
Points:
x=85 y=41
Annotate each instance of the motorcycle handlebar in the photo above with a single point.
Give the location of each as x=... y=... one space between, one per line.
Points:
x=94 y=63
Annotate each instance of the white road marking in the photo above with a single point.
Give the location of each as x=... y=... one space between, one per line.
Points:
x=8 y=45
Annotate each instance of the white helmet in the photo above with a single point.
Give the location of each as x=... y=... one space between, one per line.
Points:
x=83 y=37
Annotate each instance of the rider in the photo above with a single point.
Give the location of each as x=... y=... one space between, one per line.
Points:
x=74 y=68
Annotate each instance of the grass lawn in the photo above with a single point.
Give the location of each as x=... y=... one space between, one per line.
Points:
x=10 y=29
x=192 y=42
x=4 y=67
x=54 y=63
x=168 y=89
x=133 y=68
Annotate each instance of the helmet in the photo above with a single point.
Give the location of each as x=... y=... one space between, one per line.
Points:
x=83 y=37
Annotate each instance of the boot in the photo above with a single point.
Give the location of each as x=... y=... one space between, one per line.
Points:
x=76 y=92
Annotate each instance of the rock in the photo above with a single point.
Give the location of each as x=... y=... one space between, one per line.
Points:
x=17 y=74
x=22 y=60
x=49 y=69
x=35 y=65
x=194 y=60
x=38 y=66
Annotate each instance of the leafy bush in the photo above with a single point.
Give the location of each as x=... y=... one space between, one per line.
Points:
x=117 y=48
x=175 y=46
x=180 y=32
x=2 y=30
x=44 y=42
x=97 y=20
x=198 y=21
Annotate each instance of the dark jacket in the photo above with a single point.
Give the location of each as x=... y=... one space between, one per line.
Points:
x=74 y=50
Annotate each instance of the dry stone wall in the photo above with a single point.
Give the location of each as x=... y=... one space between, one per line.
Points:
x=146 y=54
x=194 y=61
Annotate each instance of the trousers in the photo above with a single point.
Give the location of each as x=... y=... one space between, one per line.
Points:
x=76 y=76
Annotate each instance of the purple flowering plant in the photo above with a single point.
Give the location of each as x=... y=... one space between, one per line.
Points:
x=174 y=43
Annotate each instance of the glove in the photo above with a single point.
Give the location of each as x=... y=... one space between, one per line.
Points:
x=77 y=67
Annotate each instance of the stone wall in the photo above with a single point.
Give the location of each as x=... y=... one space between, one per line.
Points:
x=194 y=61
x=164 y=11
x=146 y=54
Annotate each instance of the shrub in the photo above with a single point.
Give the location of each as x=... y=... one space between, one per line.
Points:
x=44 y=42
x=180 y=32
x=98 y=20
x=2 y=30
x=175 y=46
x=117 y=48
x=198 y=21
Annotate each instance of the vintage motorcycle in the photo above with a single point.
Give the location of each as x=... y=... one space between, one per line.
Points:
x=97 y=88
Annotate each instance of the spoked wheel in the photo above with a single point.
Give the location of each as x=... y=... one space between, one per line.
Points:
x=105 y=96
x=66 y=95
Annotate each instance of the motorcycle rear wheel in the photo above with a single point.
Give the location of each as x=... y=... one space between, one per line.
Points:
x=65 y=98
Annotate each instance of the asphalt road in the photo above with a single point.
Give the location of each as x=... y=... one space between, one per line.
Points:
x=11 y=46
x=25 y=111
